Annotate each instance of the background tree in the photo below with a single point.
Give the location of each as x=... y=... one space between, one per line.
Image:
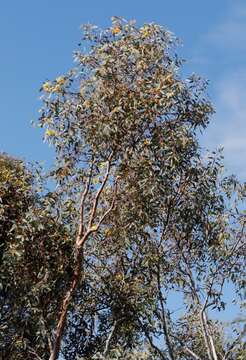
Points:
x=15 y=198
x=35 y=261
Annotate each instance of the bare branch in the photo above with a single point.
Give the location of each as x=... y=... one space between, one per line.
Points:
x=95 y=203
x=190 y=352
x=109 y=338
x=111 y=206
x=82 y=202
x=186 y=349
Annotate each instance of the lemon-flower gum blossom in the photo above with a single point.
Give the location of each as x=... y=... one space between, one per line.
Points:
x=116 y=30
x=145 y=31
x=47 y=86
x=50 y=132
x=56 y=88
x=60 y=80
x=146 y=142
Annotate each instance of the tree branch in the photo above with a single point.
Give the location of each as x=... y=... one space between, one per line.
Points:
x=109 y=338
x=190 y=352
x=186 y=349
x=203 y=318
x=82 y=202
x=149 y=338
x=95 y=203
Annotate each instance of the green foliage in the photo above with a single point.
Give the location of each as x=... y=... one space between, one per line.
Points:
x=35 y=261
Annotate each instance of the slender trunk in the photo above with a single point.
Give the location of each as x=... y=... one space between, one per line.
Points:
x=203 y=318
x=210 y=338
x=205 y=336
x=63 y=314
x=165 y=330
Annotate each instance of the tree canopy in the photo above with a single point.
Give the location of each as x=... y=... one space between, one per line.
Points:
x=137 y=214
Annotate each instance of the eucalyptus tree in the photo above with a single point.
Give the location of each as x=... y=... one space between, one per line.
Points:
x=137 y=213
x=118 y=122
x=150 y=213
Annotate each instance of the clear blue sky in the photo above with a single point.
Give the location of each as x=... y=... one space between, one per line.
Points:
x=39 y=37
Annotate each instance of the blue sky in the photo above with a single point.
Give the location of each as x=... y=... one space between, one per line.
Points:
x=39 y=37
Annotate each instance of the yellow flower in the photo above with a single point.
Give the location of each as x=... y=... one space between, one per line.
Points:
x=119 y=277
x=47 y=87
x=50 y=132
x=87 y=103
x=94 y=227
x=60 y=80
x=116 y=30
x=108 y=232
x=56 y=88
x=144 y=31
x=146 y=142
x=102 y=165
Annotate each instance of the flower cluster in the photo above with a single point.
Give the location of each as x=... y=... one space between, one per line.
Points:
x=56 y=88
